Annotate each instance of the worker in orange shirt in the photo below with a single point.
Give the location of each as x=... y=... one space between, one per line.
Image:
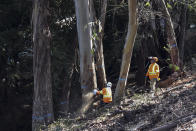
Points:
x=106 y=92
x=153 y=74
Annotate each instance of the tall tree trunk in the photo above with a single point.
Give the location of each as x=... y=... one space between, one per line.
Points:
x=87 y=67
x=42 y=99
x=171 y=38
x=101 y=75
x=127 y=52
x=182 y=30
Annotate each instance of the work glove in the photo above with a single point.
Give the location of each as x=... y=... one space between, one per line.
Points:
x=95 y=91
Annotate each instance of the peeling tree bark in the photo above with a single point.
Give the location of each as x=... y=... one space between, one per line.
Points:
x=171 y=38
x=98 y=29
x=87 y=68
x=127 y=52
x=101 y=75
x=42 y=100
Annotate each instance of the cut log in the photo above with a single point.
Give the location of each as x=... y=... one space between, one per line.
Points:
x=165 y=83
x=169 y=81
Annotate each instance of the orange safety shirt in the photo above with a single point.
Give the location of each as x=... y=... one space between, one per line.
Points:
x=107 y=94
x=153 y=71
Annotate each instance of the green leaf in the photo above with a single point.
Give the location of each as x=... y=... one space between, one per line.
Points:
x=94 y=35
x=93 y=51
x=170 y=66
x=176 y=68
x=147 y=3
x=190 y=7
x=169 y=6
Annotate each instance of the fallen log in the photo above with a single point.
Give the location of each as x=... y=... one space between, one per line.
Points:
x=175 y=88
x=166 y=83
x=171 y=79
x=174 y=124
x=172 y=89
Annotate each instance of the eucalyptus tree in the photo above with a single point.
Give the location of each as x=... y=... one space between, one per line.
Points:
x=101 y=75
x=127 y=51
x=87 y=67
x=42 y=99
x=171 y=37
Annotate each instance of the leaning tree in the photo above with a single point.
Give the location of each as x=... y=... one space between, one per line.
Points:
x=127 y=51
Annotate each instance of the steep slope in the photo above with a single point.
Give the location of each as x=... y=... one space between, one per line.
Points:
x=174 y=105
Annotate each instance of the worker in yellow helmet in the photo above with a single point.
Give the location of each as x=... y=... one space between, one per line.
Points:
x=106 y=92
x=153 y=73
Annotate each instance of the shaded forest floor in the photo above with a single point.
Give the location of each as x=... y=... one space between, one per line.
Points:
x=141 y=111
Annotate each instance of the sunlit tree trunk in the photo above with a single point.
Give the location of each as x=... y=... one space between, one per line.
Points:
x=87 y=68
x=42 y=99
x=99 y=57
x=171 y=38
x=127 y=52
